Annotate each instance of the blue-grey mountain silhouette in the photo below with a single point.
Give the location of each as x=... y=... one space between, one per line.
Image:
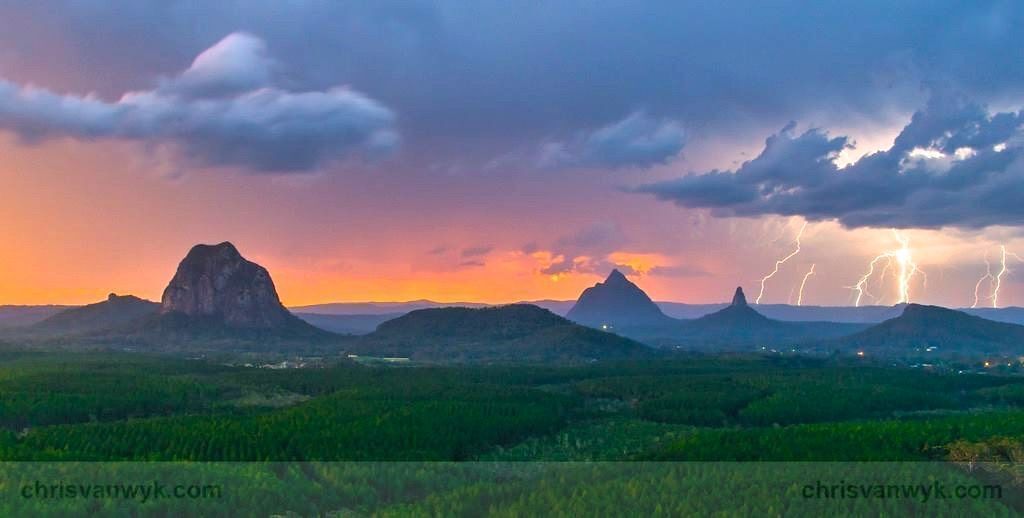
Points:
x=117 y=311
x=616 y=303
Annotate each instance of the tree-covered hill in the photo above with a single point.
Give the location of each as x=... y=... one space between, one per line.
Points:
x=513 y=332
x=948 y=331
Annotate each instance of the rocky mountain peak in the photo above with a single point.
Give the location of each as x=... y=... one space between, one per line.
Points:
x=616 y=302
x=616 y=278
x=216 y=282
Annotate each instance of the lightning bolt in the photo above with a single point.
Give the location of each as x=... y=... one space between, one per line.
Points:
x=780 y=262
x=999 y=277
x=862 y=284
x=800 y=296
x=901 y=260
x=988 y=275
x=907 y=267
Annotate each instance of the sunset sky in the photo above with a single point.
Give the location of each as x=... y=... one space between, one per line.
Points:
x=505 y=151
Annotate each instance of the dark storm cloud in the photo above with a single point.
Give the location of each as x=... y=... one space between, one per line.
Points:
x=221 y=111
x=479 y=79
x=954 y=164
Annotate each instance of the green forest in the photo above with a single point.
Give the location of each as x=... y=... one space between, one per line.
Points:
x=504 y=439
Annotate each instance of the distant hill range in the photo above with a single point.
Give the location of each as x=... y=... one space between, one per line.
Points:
x=26 y=315
x=22 y=316
x=677 y=310
x=506 y=333
x=347 y=324
x=1008 y=315
x=937 y=330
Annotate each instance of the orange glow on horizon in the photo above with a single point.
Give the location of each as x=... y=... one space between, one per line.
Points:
x=81 y=220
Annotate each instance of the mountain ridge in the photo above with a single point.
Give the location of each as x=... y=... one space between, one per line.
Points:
x=115 y=312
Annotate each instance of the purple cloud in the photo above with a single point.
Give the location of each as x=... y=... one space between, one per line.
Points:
x=221 y=111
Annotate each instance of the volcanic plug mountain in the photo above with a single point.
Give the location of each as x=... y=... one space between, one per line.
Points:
x=216 y=288
x=738 y=325
x=738 y=316
x=215 y=281
x=618 y=303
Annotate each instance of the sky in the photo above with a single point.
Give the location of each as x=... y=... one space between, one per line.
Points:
x=506 y=151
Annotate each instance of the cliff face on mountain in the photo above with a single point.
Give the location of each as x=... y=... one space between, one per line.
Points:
x=216 y=282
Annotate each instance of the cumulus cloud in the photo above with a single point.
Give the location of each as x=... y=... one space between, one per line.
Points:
x=635 y=141
x=954 y=165
x=221 y=111
x=236 y=64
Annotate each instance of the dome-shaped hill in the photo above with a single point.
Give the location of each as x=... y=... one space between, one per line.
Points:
x=946 y=330
x=513 y=332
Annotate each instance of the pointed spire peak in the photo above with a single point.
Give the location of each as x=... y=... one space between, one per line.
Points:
x=739 y=299
x=616 y=277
